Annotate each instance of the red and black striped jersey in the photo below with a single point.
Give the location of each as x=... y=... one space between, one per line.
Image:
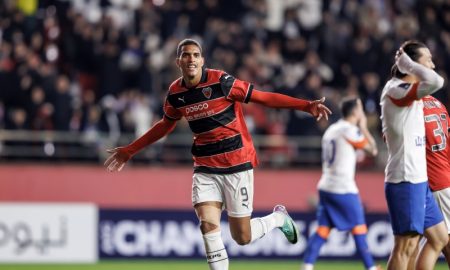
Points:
x=213 y=109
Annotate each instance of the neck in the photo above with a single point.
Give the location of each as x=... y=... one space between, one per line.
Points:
x=351 y=119
x=192 y=81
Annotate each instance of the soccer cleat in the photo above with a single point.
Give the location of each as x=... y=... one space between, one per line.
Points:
x=289 y=227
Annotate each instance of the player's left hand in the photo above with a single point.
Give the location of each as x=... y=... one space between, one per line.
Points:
x=116 y=162
x=319 y=110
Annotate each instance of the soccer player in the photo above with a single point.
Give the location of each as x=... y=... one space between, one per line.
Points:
x=412 y=208
x=339 y=202
x=438 y=153
x=223 y=152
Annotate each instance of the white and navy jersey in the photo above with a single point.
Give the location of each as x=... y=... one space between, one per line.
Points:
x=404 y=132
x=339 y=144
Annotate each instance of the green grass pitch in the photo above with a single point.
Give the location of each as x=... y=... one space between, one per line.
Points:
x=193 y=265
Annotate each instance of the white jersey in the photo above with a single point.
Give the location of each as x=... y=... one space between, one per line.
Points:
x=404 y=132
x=339 y=144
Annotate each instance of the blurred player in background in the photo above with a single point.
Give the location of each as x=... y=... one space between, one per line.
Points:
x=438 y=153
x=223 y=151
x=340 y=206
x=412 y=208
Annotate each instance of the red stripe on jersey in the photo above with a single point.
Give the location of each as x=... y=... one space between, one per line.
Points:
x=408 y=99
x=358 y=144
x=205 y=109
x=213 y=77
x=218 y=134
x=171 y=112
x=176 y=86
x=437 y=138
x=239 y=91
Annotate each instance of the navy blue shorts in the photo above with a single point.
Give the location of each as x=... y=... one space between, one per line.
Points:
x=340 y=211
x=412 y=207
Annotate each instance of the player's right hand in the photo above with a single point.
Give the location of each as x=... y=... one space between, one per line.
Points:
x=318 y=109
x=403 y=61
x=116 y=161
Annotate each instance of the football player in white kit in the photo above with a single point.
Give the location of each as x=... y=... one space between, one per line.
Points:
x=340 y=206
x=412 y=208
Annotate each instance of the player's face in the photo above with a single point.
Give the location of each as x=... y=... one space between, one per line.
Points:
x=190 y=61
x=425 y=58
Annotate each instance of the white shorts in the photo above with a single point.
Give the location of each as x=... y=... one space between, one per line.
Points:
x=443 y=200
x=234 y=190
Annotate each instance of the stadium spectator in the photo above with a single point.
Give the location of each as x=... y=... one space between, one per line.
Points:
x=85 y=41
x=223 y=152
x=412 y=208
x=340 y=206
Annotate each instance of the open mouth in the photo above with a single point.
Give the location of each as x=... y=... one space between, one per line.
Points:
x=191 y=67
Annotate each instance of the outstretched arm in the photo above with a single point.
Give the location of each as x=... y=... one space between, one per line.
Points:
x=120 y=155
x=316 y=108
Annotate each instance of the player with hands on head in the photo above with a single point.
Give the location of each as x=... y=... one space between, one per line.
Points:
x=223 y=152
x=412 y=208
x=340 y=206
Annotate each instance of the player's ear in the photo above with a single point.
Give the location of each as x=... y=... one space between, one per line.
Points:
x=202 y=61
x=177 y=61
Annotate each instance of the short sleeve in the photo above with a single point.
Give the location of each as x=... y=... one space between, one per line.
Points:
x=235 y=89
x=171 y=112
x=354 y=137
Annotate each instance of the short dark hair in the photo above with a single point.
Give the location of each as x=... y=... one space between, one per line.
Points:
x=348 y=104
x=187 y=41
x=411 y=48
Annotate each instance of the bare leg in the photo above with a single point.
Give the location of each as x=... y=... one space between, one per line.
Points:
x=413 y=258
x=437 y=238
x=404 y=247
x=240 y=229
x=209 y=215
x=446 y=252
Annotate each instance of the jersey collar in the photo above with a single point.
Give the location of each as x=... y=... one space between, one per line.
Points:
x=203 y=79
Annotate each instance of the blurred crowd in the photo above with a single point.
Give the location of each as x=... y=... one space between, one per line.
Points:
x=104 y=66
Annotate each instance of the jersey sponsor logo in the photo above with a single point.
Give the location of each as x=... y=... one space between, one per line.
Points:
x=420 y=141
x=404 y=85
x=196 y=108
x=207 y=92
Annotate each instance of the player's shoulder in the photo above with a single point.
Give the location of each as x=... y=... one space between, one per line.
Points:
x=431 y=103
x=396 y=84
x=214 y=75
x=340 y=127
x=176 y=86
x=215 y=72
x=430 y=98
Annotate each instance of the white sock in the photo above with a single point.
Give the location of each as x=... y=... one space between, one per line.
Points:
x=261 y=226
x=373 y=268
x=307 y=266
x=216 y=255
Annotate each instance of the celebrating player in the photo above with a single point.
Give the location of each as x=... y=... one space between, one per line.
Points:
x=412 y=208
x=223 y=151
x=340 y=205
